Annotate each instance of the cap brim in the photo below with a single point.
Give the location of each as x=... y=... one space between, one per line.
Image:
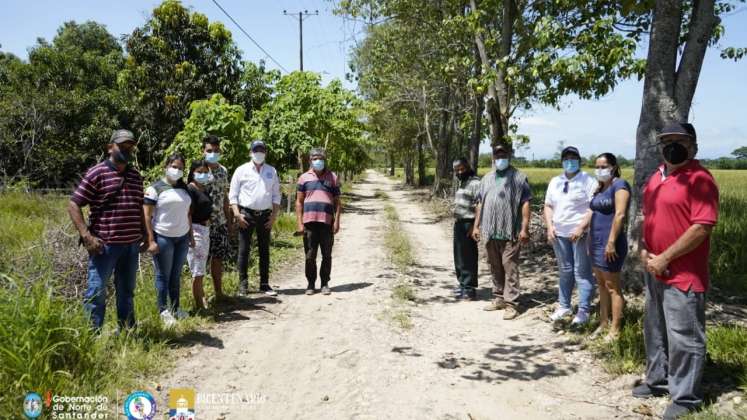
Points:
x=674 y=133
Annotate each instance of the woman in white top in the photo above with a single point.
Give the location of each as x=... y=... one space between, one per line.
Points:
x=169 y=229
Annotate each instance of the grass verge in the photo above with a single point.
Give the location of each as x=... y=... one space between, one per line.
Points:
x=47 y=342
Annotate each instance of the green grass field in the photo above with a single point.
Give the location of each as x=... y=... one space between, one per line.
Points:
x=47 y=343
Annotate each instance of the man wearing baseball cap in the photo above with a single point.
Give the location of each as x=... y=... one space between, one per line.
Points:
x=680 y=208
x=254 y=195
x=502 y=218
x=114 y=191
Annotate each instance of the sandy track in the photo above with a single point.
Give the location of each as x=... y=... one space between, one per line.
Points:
x=339 y=357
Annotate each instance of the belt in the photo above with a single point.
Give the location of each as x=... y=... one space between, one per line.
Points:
x=255 y=212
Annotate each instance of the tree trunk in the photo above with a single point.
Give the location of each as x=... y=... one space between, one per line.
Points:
x=498 y=92
x=668 y=90
x=445 y=134
x=476 y=138
x=391 y=163
x=421 y=162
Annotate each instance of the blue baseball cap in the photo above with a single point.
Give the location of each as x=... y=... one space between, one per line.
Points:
x=257 y=143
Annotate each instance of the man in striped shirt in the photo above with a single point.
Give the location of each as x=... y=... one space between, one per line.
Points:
x=113 y=189
x=318 y=215
x=466 y=195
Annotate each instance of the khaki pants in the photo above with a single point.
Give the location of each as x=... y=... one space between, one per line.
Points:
x=503 y=257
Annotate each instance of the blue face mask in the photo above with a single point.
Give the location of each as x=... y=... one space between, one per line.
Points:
x=212 y=157
x=501 y=164
x=317 y=164
x=203 y=177
x=571 y=166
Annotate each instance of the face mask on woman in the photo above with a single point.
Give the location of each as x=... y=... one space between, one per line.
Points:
x=174 y=174
x=604 y=174
x=203 y=177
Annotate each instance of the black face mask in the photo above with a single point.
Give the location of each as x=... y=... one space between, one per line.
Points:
x=121 y=156
x=674 y=153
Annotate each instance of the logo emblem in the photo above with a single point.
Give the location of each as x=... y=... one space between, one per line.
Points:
x=140 y=405
x=32 y=405
x=182 y=404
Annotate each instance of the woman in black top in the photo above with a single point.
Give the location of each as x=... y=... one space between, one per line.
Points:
x=202 y=206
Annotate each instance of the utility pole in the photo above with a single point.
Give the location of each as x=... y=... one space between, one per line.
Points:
x=301 y=15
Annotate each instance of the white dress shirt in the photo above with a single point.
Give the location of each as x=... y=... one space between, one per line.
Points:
x=570 y=207
x=256 y=190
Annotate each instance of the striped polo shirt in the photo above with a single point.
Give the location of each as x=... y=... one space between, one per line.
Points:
x=320 y=192
x=466 y=197
x=120 y=220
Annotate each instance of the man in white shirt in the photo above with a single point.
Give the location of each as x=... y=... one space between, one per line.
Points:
x=254 y=195
x=567 y=217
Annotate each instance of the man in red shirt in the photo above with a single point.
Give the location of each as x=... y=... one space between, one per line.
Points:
x=680 y=208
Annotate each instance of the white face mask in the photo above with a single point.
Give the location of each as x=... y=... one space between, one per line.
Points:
x=501 y=164
x=174 y=174
x=258 y=157
x=604 y=175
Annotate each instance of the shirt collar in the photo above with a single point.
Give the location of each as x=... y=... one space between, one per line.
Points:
x=689 y=165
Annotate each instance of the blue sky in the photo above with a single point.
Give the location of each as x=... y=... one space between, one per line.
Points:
x=607 y=124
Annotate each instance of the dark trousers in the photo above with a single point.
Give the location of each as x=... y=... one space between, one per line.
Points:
x=256 y=222
x=465 y=254
x=318 y=235
x=674 y=333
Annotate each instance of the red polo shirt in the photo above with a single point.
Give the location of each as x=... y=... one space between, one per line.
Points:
x=671 y=205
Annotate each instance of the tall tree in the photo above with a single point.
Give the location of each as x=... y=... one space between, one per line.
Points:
x=681 y=31
x=58 y=109
x=176 y=57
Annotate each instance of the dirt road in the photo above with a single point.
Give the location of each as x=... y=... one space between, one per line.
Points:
x=340 y=357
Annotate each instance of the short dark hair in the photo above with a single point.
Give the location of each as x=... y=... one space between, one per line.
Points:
x=211 y=139
x=174 y=157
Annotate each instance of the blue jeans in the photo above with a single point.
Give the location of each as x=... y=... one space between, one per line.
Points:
x=575 y=269
x=122 y=260
x=172 y=252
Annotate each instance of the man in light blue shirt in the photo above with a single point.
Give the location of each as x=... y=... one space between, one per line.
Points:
x=254 y=196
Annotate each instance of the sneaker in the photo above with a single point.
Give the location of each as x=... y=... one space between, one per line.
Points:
x=581 y=318
x=559 y=314
x=181 y=314
x=267 y=290
x=458 y=291
x=644 y=391
x=675 y=411
x=510 y=312
x=309 y=292
x=470 y=294
x=495 y=305
x=167 y=318
x=325 y=290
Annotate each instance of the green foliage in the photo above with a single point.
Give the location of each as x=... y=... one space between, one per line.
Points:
x=57 y=111
x=175 y=58
x=740 y=153
x=303 y=114
x=212 y=116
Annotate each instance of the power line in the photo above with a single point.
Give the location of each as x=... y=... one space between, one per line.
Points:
x=249 y=36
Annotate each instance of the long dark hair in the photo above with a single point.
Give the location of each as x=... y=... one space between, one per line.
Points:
x=612 y=161
x=196 y=164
